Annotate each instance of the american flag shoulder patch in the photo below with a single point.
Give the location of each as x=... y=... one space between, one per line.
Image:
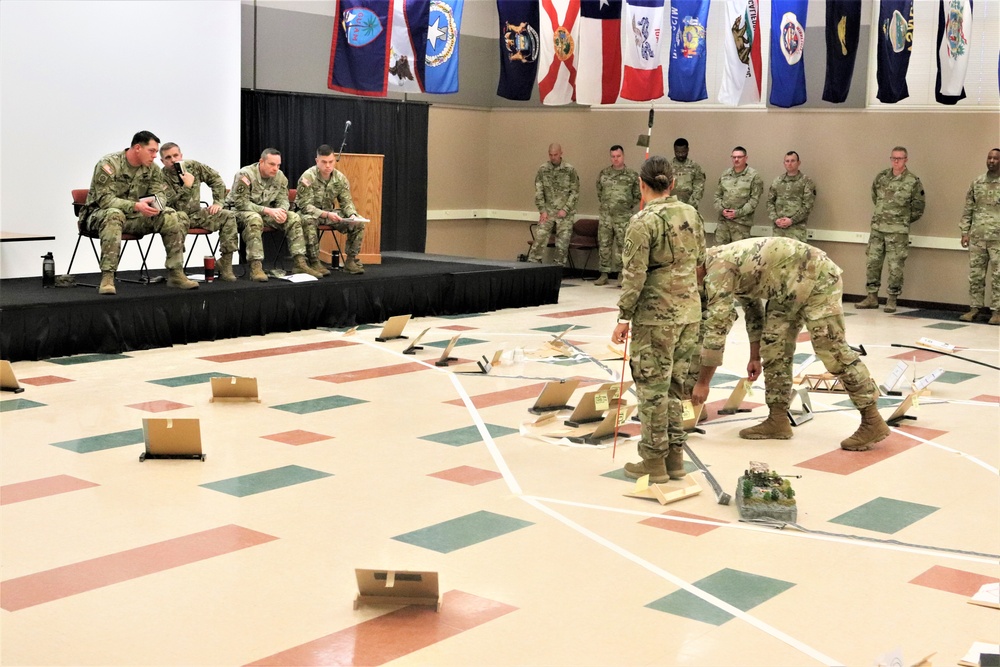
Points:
x=108 y=168
x=246 y=181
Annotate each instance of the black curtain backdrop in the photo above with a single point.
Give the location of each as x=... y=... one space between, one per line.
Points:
x=296 y=124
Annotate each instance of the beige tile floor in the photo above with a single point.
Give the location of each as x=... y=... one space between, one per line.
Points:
x=584 y=576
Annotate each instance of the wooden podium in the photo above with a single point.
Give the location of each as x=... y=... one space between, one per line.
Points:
x=365 y=174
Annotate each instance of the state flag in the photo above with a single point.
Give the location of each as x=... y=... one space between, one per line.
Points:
x=642 y=79
x=359 y=52
x=408 y=45
x=741 y=75
x=443 y=32
x=559 y=35
x=843 y=30
x=954 y=32
x=599 y=58
x=788 y=40
x=519 y=47
x=686 y=70
x=895 y=40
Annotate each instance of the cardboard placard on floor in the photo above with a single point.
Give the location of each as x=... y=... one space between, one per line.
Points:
x=669 y=492
x=555 y=396
x=393 y=328
x=234 y=389
x=397 y=587
x=8 y=382
x=172 y=439
x=735 y=399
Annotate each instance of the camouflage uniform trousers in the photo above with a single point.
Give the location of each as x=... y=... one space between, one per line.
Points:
x=884 y=246
x=253 y=224
x=611 y=240
x=981 y=255
x=223 y=222
x=563 y=231
x=355 y=234
x=728 y=231
x=782 y=323
x=659 y=359
x=797 y=232
x=112 y=223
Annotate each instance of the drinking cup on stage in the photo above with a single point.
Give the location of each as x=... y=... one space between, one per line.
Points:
x=335 y=260
x=209 y=268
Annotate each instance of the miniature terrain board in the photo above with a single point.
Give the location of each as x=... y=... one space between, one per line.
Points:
x=397 y=587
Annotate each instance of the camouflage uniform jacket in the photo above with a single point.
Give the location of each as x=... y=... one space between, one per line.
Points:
x=899 y=202
x=314 y=195
x=740 y=192
x=556 y=188
x=769 y=268
x=981 y=217
x=188 y=200
x=618 y=191
x=252 y=193
x=664 y=246
x=117 y=184
x=689 y=183
x=791 y=197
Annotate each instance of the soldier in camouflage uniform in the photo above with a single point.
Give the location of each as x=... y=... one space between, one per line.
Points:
x=324 y=197
x=980 y=227
x=115 y=204
x=736 y=198
x=260 y=197
x=557 y=189
x=183 y=179
x=664 y=248
x=790 y=200
x=801 y=285
x=898 y=196
x=689 y=177
x=617 y=194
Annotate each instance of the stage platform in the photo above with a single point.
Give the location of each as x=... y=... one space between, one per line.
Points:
x=38 y=323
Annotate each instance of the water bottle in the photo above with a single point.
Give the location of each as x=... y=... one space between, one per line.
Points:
x=48 y=270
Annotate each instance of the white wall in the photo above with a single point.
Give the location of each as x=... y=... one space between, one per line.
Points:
x=79 y=78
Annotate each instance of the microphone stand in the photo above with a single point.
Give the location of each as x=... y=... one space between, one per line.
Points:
x=344 y=142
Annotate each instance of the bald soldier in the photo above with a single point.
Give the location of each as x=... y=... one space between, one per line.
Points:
x=736 y=198
x=790 y=200
x=183 y=179
x=617 y=195
x=557 y=190
x=898 y=196
x=800 y=285
x=324 y=197
x=689 y=177
x=260 y=196
x=980 y=227
x=127 y=195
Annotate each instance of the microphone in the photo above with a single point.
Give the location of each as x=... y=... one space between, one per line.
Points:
x=347 y=126
x=343 y=143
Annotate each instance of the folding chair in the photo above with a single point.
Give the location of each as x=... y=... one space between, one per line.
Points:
x=323 y=229
x=197 y=233
x=584 y=237
x=79 y=199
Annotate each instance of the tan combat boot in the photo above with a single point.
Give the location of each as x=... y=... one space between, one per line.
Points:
x=873 y=429
x=225 y=266
x=775 y=427
x=870 y=301
x=655 y=468
x=890 y=304
x=299 y=266
x=318 y=267
x=601 y=280
x=971 y=315
x=995 y=317
x=675 y=462
x=352 y=265
x=257 y=271
x=176 y=278
x=107 y=283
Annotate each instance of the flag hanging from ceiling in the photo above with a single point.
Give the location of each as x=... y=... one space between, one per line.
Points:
x=741 y=75
x=599 y=58
x=895 y=39
x=686 y=69
x=954 y=32
x=519 y=48
x=642 y=79
x=788 y=40
x=843 y=30
x=559 y=35
x=359 y=52
x=443 y=32
x=408 y=45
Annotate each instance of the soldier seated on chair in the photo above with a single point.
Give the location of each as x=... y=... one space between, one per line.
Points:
x=183 y=179
x=324 y=197
x=123 y=199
